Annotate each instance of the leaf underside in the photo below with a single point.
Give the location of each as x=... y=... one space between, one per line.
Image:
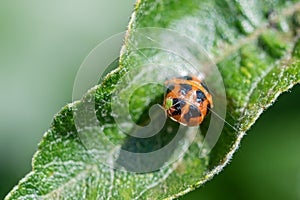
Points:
x=256 y=48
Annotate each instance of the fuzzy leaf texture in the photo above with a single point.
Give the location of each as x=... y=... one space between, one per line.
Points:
x=256 y=48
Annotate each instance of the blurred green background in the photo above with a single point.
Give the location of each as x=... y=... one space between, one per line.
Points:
x=43 y=43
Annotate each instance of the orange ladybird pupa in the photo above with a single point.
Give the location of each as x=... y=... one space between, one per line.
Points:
x=187 y=100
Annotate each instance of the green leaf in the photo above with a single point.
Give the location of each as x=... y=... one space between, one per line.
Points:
x=255 y=45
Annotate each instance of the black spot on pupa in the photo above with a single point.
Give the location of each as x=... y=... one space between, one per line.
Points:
x=177 y=105
x=185 y=88
x=200 y=96
x=193 y=112
x=170 y=88
x=205 y=87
